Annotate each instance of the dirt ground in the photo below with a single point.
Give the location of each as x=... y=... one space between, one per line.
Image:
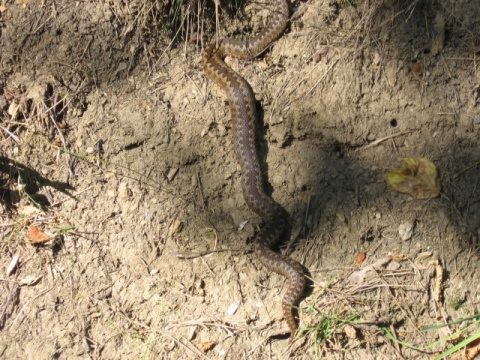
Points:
x=122 y=220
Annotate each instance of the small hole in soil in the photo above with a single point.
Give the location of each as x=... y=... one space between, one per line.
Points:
x=393 y=123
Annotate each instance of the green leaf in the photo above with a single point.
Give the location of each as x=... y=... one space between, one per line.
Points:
x=417 y=177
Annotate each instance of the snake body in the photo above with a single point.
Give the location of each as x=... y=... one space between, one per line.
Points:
x=244 y=121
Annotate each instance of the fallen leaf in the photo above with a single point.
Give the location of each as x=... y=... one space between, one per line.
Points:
x=380 y=263
x=405 y=230
x=350 y=332
x=425 y=254
x=472 y=349
x=124 y=192
x=358 y=277
x=360 y=257
x=417 y=69
x=30 y=280
x=207 y=345
x=36 y=236
x=175 y=227
x=397 y=257
x=417 y=177
x=393 y=265
x=28 y=210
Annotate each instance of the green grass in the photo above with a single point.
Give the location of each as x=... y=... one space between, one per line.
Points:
x=327 y=327
x=459 y=334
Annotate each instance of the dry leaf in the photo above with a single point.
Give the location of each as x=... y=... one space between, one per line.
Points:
x=36 y=236
x=472 y=349
x=417 y=69
x=207 y=345
x=358 y=277
x=360 y=257
x=175 y=227
x=380 y=263
x=417 y=177
x=124 y=192
x=393 y=265
x=350 y=332
x=397 y=257
x=405 y=230
x=424 y=255
x=30 y=280
x=28 y=210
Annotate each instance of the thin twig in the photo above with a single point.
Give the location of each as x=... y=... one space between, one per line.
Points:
x=379 y=141
x=12 y=135
x=72 y=197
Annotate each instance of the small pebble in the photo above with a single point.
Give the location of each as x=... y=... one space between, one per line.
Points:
x=405 y=230
x=123 y=191
x=232 y=309
x=242 y=225
x=171 y=174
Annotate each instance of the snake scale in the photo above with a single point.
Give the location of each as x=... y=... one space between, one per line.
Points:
x=244 y=121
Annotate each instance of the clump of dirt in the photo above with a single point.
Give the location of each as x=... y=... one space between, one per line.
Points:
x=116 y=156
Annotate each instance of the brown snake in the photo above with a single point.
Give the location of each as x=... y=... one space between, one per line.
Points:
x=244 y=121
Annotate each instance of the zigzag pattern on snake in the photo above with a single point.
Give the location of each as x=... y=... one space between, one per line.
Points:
x=244 y=121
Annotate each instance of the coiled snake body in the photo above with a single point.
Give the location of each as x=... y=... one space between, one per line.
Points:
x=244 y=121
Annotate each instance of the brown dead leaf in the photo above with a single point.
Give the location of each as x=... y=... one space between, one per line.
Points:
x=124 y=193
x=350 y=332
x=417 y=177
x=175 y=227
x=472 y=349
x=28 y=210
x=358 y=277
x=207 y=345
x=417 y=69
x=360 y=257
x=36 y=236
x=30 y=280
x=397 y=257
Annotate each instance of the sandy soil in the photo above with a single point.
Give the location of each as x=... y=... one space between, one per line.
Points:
x=116 y=157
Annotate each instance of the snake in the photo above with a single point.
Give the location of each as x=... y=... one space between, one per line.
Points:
x=244 y=121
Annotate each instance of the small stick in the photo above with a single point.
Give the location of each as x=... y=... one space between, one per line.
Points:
x=199 y=180
x=378 y=141
x=69 y=198
x=12 y=135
